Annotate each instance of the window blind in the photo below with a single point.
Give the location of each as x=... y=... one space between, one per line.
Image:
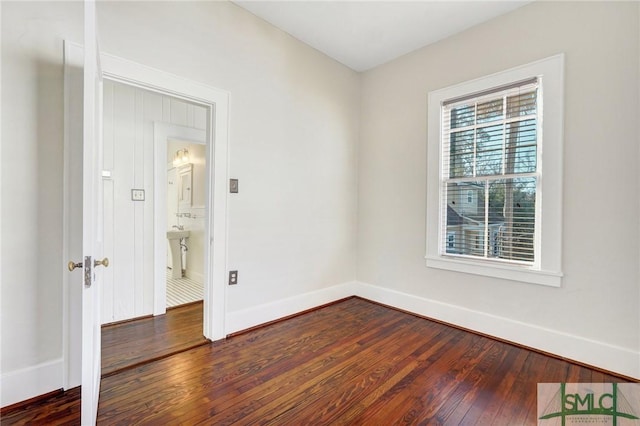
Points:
x=490 y=173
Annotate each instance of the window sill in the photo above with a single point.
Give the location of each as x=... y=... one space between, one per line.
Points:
x=508 y=272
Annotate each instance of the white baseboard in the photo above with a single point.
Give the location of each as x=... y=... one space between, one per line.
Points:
x=29 y=382
x=23 y=384
x=598 y=354
x=196 y=276
x=251 y=317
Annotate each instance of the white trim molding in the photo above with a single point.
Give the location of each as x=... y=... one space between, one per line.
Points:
x=132 y=73
x=23 y=384
x=507 y=272
x=261 y=314
x=218 y=101
x=547 y=268
x=591 y=352
x=28 y=382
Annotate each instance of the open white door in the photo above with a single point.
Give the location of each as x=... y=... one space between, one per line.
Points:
x=91 y=220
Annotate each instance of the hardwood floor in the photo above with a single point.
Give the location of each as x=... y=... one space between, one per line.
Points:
x=354 y=362
x=131 y=343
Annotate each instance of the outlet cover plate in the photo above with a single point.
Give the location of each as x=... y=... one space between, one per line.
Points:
x=233 y=277
x=137 y=194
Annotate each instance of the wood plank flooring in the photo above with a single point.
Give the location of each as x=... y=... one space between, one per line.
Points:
x=354 y=362
x=131 y=343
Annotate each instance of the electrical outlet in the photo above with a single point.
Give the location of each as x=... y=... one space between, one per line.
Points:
x=233 y=277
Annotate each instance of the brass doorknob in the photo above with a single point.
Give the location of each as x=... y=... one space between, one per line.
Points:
x=71 y=265
x=104 y=262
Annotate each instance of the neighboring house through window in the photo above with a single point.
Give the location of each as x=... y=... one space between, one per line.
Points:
x=451 y=242
x=485 y=186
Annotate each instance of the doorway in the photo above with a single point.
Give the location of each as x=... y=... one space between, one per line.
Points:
x=186 y=213
x=146 y=133
x=217 y=103
x=155 y=149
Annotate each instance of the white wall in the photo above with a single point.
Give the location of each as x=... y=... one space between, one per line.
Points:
x=598 y=304
x=32 y=129
x=293 y=139
x=293 y=133
x=129 y=116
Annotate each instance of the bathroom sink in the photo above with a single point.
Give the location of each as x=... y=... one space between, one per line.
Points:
x=176 y=234
x=175 y=237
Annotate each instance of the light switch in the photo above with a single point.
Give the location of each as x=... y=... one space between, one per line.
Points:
x=233 y=186
x=137 y=194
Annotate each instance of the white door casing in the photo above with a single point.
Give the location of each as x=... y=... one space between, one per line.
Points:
x=217 y=101
x=132 y=73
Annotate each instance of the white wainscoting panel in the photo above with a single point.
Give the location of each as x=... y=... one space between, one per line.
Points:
x=130 y=114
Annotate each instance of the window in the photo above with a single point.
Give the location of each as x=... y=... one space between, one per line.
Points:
x=485 y=175
x=489 y=142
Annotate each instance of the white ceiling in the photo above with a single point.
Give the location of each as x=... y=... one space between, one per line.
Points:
x=365 y=34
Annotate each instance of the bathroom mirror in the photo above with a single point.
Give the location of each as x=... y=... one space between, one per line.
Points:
x=185 y=178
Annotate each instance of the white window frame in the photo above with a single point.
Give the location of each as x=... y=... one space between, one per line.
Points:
x=547 y=268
